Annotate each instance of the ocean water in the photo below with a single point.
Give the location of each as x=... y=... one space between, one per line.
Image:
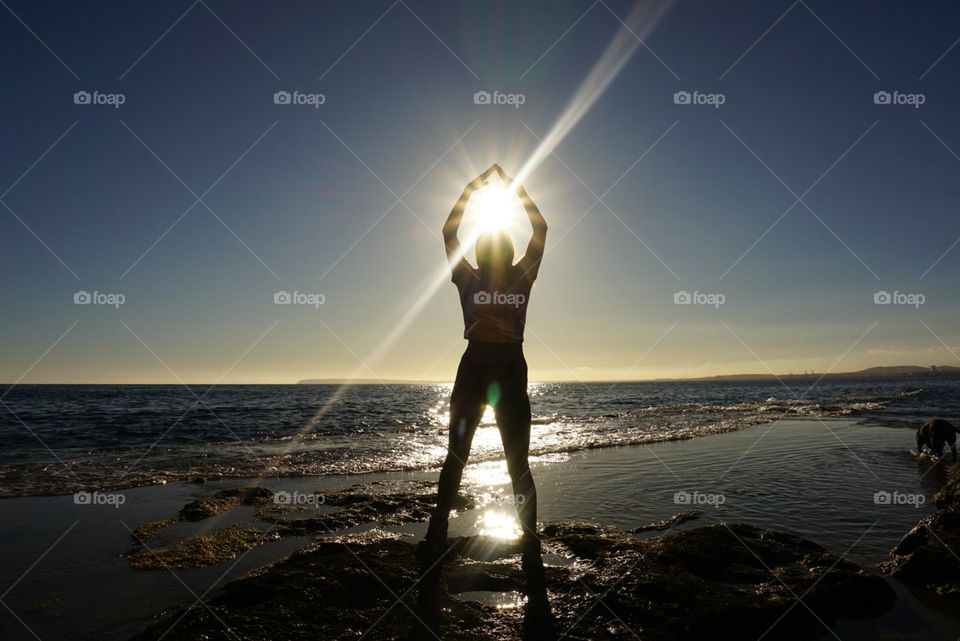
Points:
x=62 y=438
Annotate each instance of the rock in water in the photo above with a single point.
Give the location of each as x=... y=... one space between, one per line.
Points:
x=927 y=556
x=671 y=522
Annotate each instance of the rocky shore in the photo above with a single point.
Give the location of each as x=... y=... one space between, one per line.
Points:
x=596 y=582
x=927 y=558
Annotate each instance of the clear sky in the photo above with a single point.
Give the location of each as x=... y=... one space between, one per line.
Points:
x=303 y=198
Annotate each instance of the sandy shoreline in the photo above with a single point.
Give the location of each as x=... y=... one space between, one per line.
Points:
x=814 y=478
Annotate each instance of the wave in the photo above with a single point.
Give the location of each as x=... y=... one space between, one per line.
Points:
x=355 y=442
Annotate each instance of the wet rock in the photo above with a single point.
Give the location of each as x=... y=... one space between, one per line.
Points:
x=948 y=498
x=671 y=522
x=737 y=578
x=378 y=502
x=685 y=585
x=201 y=550
x=334 y=590
x=150 y=531
x=225 y=500
x=926 y=558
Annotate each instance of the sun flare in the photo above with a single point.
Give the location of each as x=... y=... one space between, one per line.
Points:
x=493 y=207
x=494 y=203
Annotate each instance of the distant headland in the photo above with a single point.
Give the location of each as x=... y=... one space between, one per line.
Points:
x=892 y=372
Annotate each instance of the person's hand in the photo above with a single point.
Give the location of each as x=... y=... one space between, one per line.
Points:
x=508 y=180
x=477 y=182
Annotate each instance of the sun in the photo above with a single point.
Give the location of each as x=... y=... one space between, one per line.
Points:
x=494 y=206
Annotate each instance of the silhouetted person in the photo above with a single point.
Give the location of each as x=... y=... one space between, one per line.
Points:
x=538 y=622
x=935 y=434
x=494 y=298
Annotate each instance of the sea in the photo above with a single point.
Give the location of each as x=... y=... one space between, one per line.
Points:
x=60 y=439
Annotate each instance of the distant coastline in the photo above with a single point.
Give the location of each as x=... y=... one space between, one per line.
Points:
x=890 y=372
x=893 y=372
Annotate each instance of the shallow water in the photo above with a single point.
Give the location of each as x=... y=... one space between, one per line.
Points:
x=818 y=479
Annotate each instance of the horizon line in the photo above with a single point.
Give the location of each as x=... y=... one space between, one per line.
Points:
x=400 y=381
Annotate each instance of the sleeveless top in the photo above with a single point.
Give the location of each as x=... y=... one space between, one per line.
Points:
x=501 y=310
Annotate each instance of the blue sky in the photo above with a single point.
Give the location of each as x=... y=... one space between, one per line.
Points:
x=303 y=198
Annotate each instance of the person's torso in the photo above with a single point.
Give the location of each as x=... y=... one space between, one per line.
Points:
x=495 y=313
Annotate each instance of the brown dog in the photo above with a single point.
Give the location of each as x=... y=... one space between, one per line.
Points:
x=935 y=434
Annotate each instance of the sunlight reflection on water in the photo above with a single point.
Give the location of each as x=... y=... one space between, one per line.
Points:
x=500 y=600
x=487 y=474
x=499 y=524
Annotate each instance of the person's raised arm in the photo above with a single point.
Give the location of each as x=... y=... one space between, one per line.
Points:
x=530 y=263
x=452 y=224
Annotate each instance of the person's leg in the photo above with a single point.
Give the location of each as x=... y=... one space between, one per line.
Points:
x=513 y=419
x=458 y=449
x=466 y=410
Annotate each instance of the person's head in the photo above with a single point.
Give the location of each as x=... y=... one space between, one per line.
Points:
x=494 y=252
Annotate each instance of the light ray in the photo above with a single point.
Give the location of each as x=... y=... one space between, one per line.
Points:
x=639 y=24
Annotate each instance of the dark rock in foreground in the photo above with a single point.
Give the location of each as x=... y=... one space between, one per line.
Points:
x=927 y=557
x=685 y=585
